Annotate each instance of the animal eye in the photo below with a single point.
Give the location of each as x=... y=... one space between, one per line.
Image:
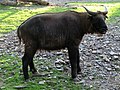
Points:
x=106 y=16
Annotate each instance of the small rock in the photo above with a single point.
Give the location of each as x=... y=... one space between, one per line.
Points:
x=112 y=53
x=2 y=39
x=116 y=26
x=60 y=69
x=109 y=69
x=20 y=87
x=91 y=77
x=67 y=61
x=59 y=53
x=42 y=82
x=82 y=81
x=106 y=58
x=44 y=55
x=116 y=57
x=91 y=86
x=94 y=51
x=116 y=66
x=107 y=42
x=59 y=61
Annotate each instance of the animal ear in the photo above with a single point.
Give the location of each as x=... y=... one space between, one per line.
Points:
x=105 y=14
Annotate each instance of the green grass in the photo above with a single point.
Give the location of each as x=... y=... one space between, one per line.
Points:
x=10 y=66
x=113 y=9
x=11 y=76
x=12 y=17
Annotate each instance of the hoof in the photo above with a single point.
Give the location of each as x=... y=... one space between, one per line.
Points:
x=79 y=72
x=36 y=74
x=27 y=80
x=76 y=80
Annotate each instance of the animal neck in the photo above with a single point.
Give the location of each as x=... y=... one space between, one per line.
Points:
x=88 y=26
x=90 y=29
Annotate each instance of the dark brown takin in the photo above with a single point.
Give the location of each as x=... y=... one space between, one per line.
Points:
x=53 y=31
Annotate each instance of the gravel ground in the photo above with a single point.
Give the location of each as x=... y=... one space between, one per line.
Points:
x=100 y=57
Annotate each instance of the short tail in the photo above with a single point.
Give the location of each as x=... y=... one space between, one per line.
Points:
x=19 y=35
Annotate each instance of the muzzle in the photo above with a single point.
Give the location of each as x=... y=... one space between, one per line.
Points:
x=103 y=30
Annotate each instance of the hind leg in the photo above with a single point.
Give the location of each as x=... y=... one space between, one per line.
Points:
x=30 y=50
x=32 y=67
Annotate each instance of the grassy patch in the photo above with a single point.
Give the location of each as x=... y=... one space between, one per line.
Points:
x=11 y=77
x=114 y=14
x=12 y=17
x=9 y=72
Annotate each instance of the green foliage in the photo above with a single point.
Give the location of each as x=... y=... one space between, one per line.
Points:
x=114 y=13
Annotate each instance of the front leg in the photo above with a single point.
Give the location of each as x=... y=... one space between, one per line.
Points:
x=32 y=67
x=73 y=55
x=78 y=63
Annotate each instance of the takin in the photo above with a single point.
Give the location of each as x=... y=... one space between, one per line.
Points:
x=53 y=31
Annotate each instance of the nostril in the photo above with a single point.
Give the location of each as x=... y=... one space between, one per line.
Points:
x=106 y=28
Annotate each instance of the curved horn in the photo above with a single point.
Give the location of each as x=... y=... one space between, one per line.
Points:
x=90 y=12
x=106 y=11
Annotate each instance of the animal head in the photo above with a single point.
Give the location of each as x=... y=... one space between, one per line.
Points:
x=97 y=20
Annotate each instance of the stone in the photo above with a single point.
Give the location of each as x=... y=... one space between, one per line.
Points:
x=20 y=87
x=112 y=53
x=116 y=57
x=94 y=51
x=59 y=61
x=59 y=53
x=41 y=82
